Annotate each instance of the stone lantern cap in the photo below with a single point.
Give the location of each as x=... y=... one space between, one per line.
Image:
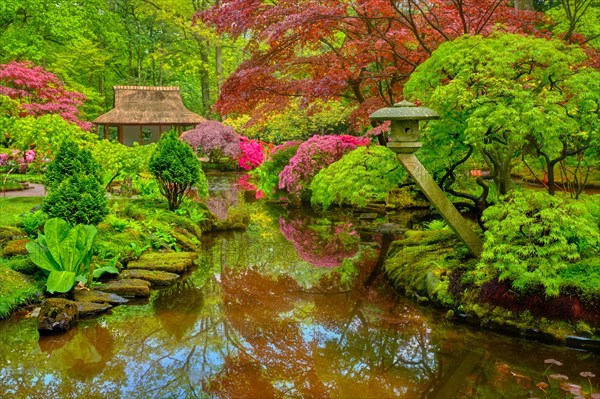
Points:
x=404 y=111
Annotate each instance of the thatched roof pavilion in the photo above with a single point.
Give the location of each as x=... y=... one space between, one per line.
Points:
x=143 y=113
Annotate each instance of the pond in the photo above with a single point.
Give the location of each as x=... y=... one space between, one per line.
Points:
x=294 y=307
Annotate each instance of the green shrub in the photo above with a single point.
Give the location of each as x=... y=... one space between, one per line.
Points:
x=267 y=174
x=533 y=239
x=32 y=221
x=75 y=192
x=176 y=170
x=366 y=174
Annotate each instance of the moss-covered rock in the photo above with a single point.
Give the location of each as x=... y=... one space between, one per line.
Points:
x=10 y=233
x=87 y=309
x=15 y=248
x=173 y=262
x=15 y=289
x=422 y=262
x=156 y=278
x=128 y=288
x=22 y=264
x=56 y=315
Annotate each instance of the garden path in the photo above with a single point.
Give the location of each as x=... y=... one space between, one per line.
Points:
x=34 y=190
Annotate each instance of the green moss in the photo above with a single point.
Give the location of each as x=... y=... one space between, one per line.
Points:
x=15 y=290
x=422 y=262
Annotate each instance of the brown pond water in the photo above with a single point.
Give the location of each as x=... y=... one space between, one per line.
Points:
x=277 y=311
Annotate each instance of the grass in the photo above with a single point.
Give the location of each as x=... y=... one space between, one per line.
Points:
x=12 y=207
x=15 y=289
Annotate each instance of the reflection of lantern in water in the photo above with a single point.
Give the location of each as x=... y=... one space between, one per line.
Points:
x=326 y=247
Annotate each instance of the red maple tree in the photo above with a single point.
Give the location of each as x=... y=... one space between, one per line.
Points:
x=360 y=50
x=40 y=92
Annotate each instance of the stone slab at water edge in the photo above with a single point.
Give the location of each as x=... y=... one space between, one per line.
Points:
x=155 y=277
x=173 y=262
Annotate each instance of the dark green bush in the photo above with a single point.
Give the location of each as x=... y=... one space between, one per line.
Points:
x=75 y=190
x=176 y=170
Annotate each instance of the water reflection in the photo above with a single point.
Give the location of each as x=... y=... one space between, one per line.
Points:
x=256 y=320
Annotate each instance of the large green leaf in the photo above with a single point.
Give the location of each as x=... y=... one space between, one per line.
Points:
x=60 y=281
x=85 y=240
x=41 y=257
x=56 y=231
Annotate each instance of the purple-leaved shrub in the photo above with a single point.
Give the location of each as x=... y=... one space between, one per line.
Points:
x=312 y=156
x=214 y=139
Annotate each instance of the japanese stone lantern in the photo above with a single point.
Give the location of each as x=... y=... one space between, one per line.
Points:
x=404 y=132
x=404 y=141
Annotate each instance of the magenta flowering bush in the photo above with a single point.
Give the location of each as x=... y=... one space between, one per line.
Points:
x=17 y=160
x=252 y=153
x=321 y=244
x=214 y=139
x=40 y=92
x=312 y=156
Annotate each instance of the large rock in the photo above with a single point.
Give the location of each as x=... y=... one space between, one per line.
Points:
x=57 y=315
x=98 y=297
x=128 y=288
x=155 y=277
x=173 y=262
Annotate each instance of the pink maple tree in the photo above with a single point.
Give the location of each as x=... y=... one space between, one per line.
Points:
x=312 y=156
x=214 y=139
x=40 y=92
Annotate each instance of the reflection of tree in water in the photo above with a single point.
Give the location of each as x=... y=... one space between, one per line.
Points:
x=178 y=307
x=82 y=352
x=321 y=244
x=313 y=345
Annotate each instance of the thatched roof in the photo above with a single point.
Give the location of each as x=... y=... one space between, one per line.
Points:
x=146 y=105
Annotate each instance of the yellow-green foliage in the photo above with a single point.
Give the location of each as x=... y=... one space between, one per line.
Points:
x=422 y=261
x=364 y=175
x=535 y=241
x=15 y=290
x=295 y=122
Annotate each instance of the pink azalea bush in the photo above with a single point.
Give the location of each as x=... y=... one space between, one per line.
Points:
x=252 y=153
x=214 y=139
x=312 y=156
x=17 y=159
x=40 y=92
x=319 y=248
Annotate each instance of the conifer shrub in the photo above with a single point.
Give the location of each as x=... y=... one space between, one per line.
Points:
x=362 y=176
x=75 y=192
x=176 y=169
x=536 y=241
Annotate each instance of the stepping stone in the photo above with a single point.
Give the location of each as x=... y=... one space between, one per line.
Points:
x=155 y=277
x=129 y=288
x=91 y=308
x=173 y=262
x=98 y=297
